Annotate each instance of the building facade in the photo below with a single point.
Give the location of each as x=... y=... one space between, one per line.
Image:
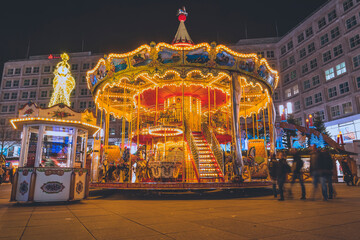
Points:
x=318 y=62
x=319 y=66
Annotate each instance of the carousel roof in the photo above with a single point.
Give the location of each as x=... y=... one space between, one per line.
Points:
x=118 y=79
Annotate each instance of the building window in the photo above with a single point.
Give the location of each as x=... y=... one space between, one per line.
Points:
x=276 y=94
x=354 y=41
x=270 y=54
x=17 y=71
x=28 y=70
x=321 y=23
x=16 y=83
x=42 y=105
x=331 y=15
x=27 y=82
x=32 y=95
x=311 y=47
x=315 y=80
x=286 y=78
x=10 y=71
x=318 y=97
x=356 y=61
x=321 y=114
x=309 y=32
x=112 y=131
x=82 y=105
x=340 y=68
x=44 y=94
x=83 y=79
x=296 y=89
x=90 y=104
x=261 y=54
x=300 y=37
x=34 y=82
x=358 y=82
x=283 y=50
x=324 y=39
x=297 y=106
x=86 y=66
x=335 y=32
x=302 y=53
x=83 y=92
x=293 y=75
x=327 y=56
x=74 y=67
x=12 y=108
x=289 y=108
x=291 y=60
x=344 y=87
x=288 y=92
x=47 y=69
x=24 y=95
x=351 y=22
x=6 y=96
x=347 y=4
x=36 y=70
x=290 y=45
x=313 y=63
x=14 y=96
x=306 y=84
x=347 y=108
x=338 y=50
x=332 y=92
x=308 y=101
x=8 y=84
x=304 y=68
x=4 y=108
x=335 y=111
x=45 y=81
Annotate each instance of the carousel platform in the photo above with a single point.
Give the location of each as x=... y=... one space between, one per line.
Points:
x=180 y=186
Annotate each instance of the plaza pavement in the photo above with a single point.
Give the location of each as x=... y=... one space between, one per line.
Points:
x=136 y=215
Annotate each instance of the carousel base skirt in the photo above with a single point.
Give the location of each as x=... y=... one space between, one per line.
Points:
x=180 y=186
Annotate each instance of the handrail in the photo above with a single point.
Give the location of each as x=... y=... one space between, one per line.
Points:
x=214 y=145
x=193 y=147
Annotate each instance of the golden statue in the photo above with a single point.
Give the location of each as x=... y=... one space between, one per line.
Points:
x=63 y=83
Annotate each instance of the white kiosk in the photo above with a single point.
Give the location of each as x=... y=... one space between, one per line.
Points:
x=53 y=148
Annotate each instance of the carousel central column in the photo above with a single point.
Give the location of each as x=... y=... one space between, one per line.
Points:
x=235 y=108
x=183 y=125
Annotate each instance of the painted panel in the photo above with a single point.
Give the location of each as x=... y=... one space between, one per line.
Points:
x=23 y=187
x=80 y=183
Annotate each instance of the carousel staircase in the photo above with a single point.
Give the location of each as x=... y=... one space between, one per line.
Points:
x=208 y=167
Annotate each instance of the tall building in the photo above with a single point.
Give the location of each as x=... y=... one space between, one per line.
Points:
x=318 y=61
x=319 y=66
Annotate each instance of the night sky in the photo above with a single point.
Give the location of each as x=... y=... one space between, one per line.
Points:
x=120 y=26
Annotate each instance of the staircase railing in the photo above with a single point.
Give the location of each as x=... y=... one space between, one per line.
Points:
x=214 y=145
x=193 y=148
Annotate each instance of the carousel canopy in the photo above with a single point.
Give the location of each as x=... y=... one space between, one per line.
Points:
x=119 y=82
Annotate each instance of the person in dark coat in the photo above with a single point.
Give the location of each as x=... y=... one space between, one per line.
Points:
x=296 y=172
x=348 y=177
x=326 y=171
x=272 y=165
x=283 y=169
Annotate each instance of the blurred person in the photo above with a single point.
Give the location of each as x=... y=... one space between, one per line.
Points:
x=296 y=168
x=282 y=170
x=272 y=165
x=314 y=169
x=326 y=171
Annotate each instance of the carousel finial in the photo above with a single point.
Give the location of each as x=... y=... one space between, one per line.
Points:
x=182 y=37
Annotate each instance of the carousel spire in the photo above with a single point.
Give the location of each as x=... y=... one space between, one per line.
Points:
x=182 y=37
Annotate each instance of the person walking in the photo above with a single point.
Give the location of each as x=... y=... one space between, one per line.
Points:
x=326 y=171
x=283 y=169
x=272 y=165
x=314 y=169
x=296 y=173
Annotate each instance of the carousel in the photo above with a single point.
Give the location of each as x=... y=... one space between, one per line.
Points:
x=52 y=163
x=188 y=110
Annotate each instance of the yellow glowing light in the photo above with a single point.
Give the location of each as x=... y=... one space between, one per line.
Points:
x=63 y=83
x=13 y=121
